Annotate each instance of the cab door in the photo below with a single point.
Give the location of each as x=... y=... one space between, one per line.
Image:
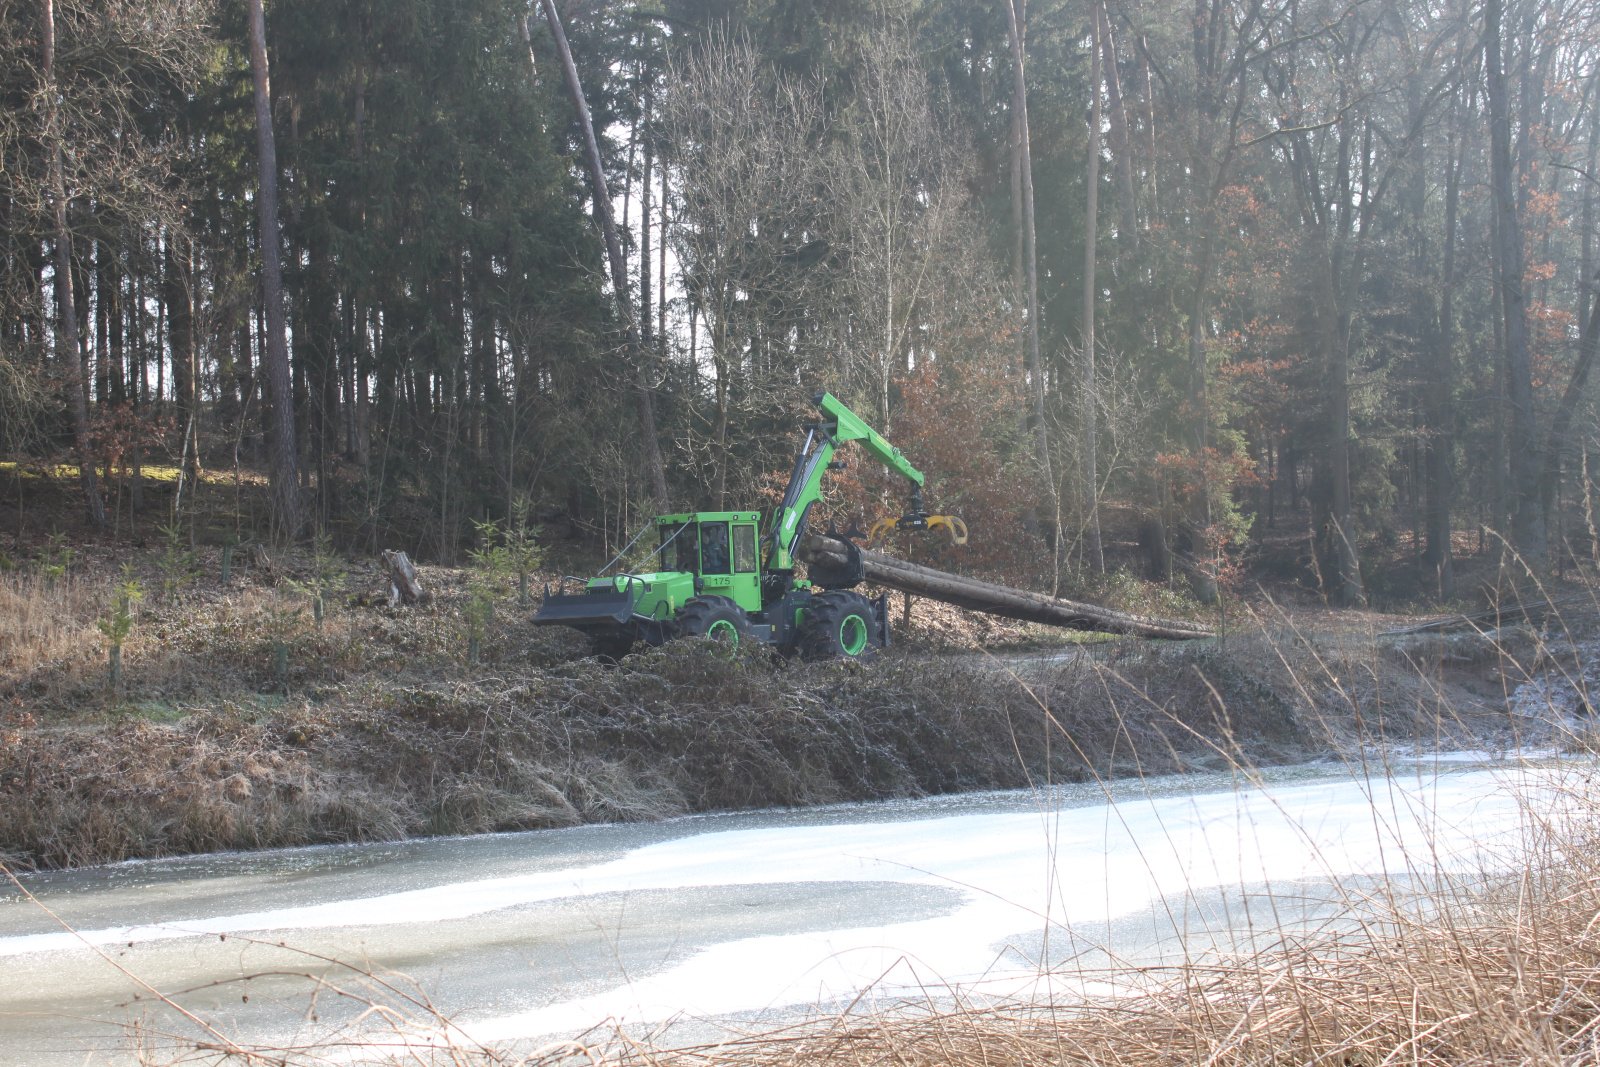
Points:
x=729 y=562
x=746 y=576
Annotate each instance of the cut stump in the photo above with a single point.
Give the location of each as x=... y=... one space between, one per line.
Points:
x=404 y=585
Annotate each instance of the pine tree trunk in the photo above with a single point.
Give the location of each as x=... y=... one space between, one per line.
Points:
x=661 y=278
x=178 y=269
x=644 y=392
x=1087 y=400
x=285 y=476
x=1438 y=553
x=1121 y=143
x=1333 y=337
x=645 y=262
x=1557 y=444
x=69 y=353
x=1528 y=533
x=1030 y=260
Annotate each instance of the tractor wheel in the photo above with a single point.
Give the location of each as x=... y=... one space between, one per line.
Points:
x=715 y=618
x=837 y=625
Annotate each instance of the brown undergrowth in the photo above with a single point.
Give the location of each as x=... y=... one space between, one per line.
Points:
x=669 y=731
x=1493 y=965
x=241 y=723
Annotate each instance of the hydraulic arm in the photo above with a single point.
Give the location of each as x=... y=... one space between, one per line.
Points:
x=839 y=425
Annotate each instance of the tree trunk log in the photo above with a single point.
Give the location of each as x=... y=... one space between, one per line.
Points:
x=281 y=441
x=69 y=353
x=1528 y=534
x=998 y=600
x=643 y=390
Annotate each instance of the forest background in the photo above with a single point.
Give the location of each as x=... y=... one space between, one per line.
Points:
x=1207 y=266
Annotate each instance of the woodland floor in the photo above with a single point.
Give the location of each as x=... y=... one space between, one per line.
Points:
x=239 y=722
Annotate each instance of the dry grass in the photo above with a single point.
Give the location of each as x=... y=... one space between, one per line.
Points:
x=380 y=729
x=44 y=622
x=1500 y=967
x=1495 y=967
x=384 y=731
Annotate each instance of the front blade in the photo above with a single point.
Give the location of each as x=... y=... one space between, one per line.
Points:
x=578 y=609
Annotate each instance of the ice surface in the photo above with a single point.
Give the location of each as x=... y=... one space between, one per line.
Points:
x=1018 y=872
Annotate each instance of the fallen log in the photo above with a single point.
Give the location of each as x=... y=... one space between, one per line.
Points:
x=1533 y=612
x=975 y=595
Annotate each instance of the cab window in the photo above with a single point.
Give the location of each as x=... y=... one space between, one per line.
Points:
x=744 y=549
x=680 y=547
x=714 y=548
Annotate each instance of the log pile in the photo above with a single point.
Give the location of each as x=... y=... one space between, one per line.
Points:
x=994 y=599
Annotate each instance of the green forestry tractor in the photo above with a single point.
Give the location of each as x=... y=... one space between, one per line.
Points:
x=716 y=577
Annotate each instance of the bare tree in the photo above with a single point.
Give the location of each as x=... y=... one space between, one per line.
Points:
x=749 y=235
x=1527 y=521
x=69 y=355
x=1016 y=22
x=1121 y=143
x=897 y=197
x=840 y=255
x=1087 y=384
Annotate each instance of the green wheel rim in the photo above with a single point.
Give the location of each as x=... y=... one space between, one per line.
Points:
x=853 y=634
x=723 y=630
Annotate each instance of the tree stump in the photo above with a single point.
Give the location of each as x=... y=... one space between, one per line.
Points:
x=404 y=585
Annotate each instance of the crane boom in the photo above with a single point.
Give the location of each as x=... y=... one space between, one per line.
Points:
x=839 y=426
x=848 y=426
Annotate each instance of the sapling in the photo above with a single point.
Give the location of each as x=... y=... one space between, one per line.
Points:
x=492 y=563
x=522 y=546
x=57 y=559
x=119 y=624
x=326 y=575
x=176 y=562
x=283 y=619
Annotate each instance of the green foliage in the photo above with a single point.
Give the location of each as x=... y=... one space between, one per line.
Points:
x=177 y=562
x=523 y=551
x=283 y=618
x=327 y=577
x=1122 y=589
x=118 y=624
x=493 y=564
x=1207 y=484
x=56 y=560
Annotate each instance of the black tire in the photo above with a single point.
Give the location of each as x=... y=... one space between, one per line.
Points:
x=838 y=625
x=714 y=618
